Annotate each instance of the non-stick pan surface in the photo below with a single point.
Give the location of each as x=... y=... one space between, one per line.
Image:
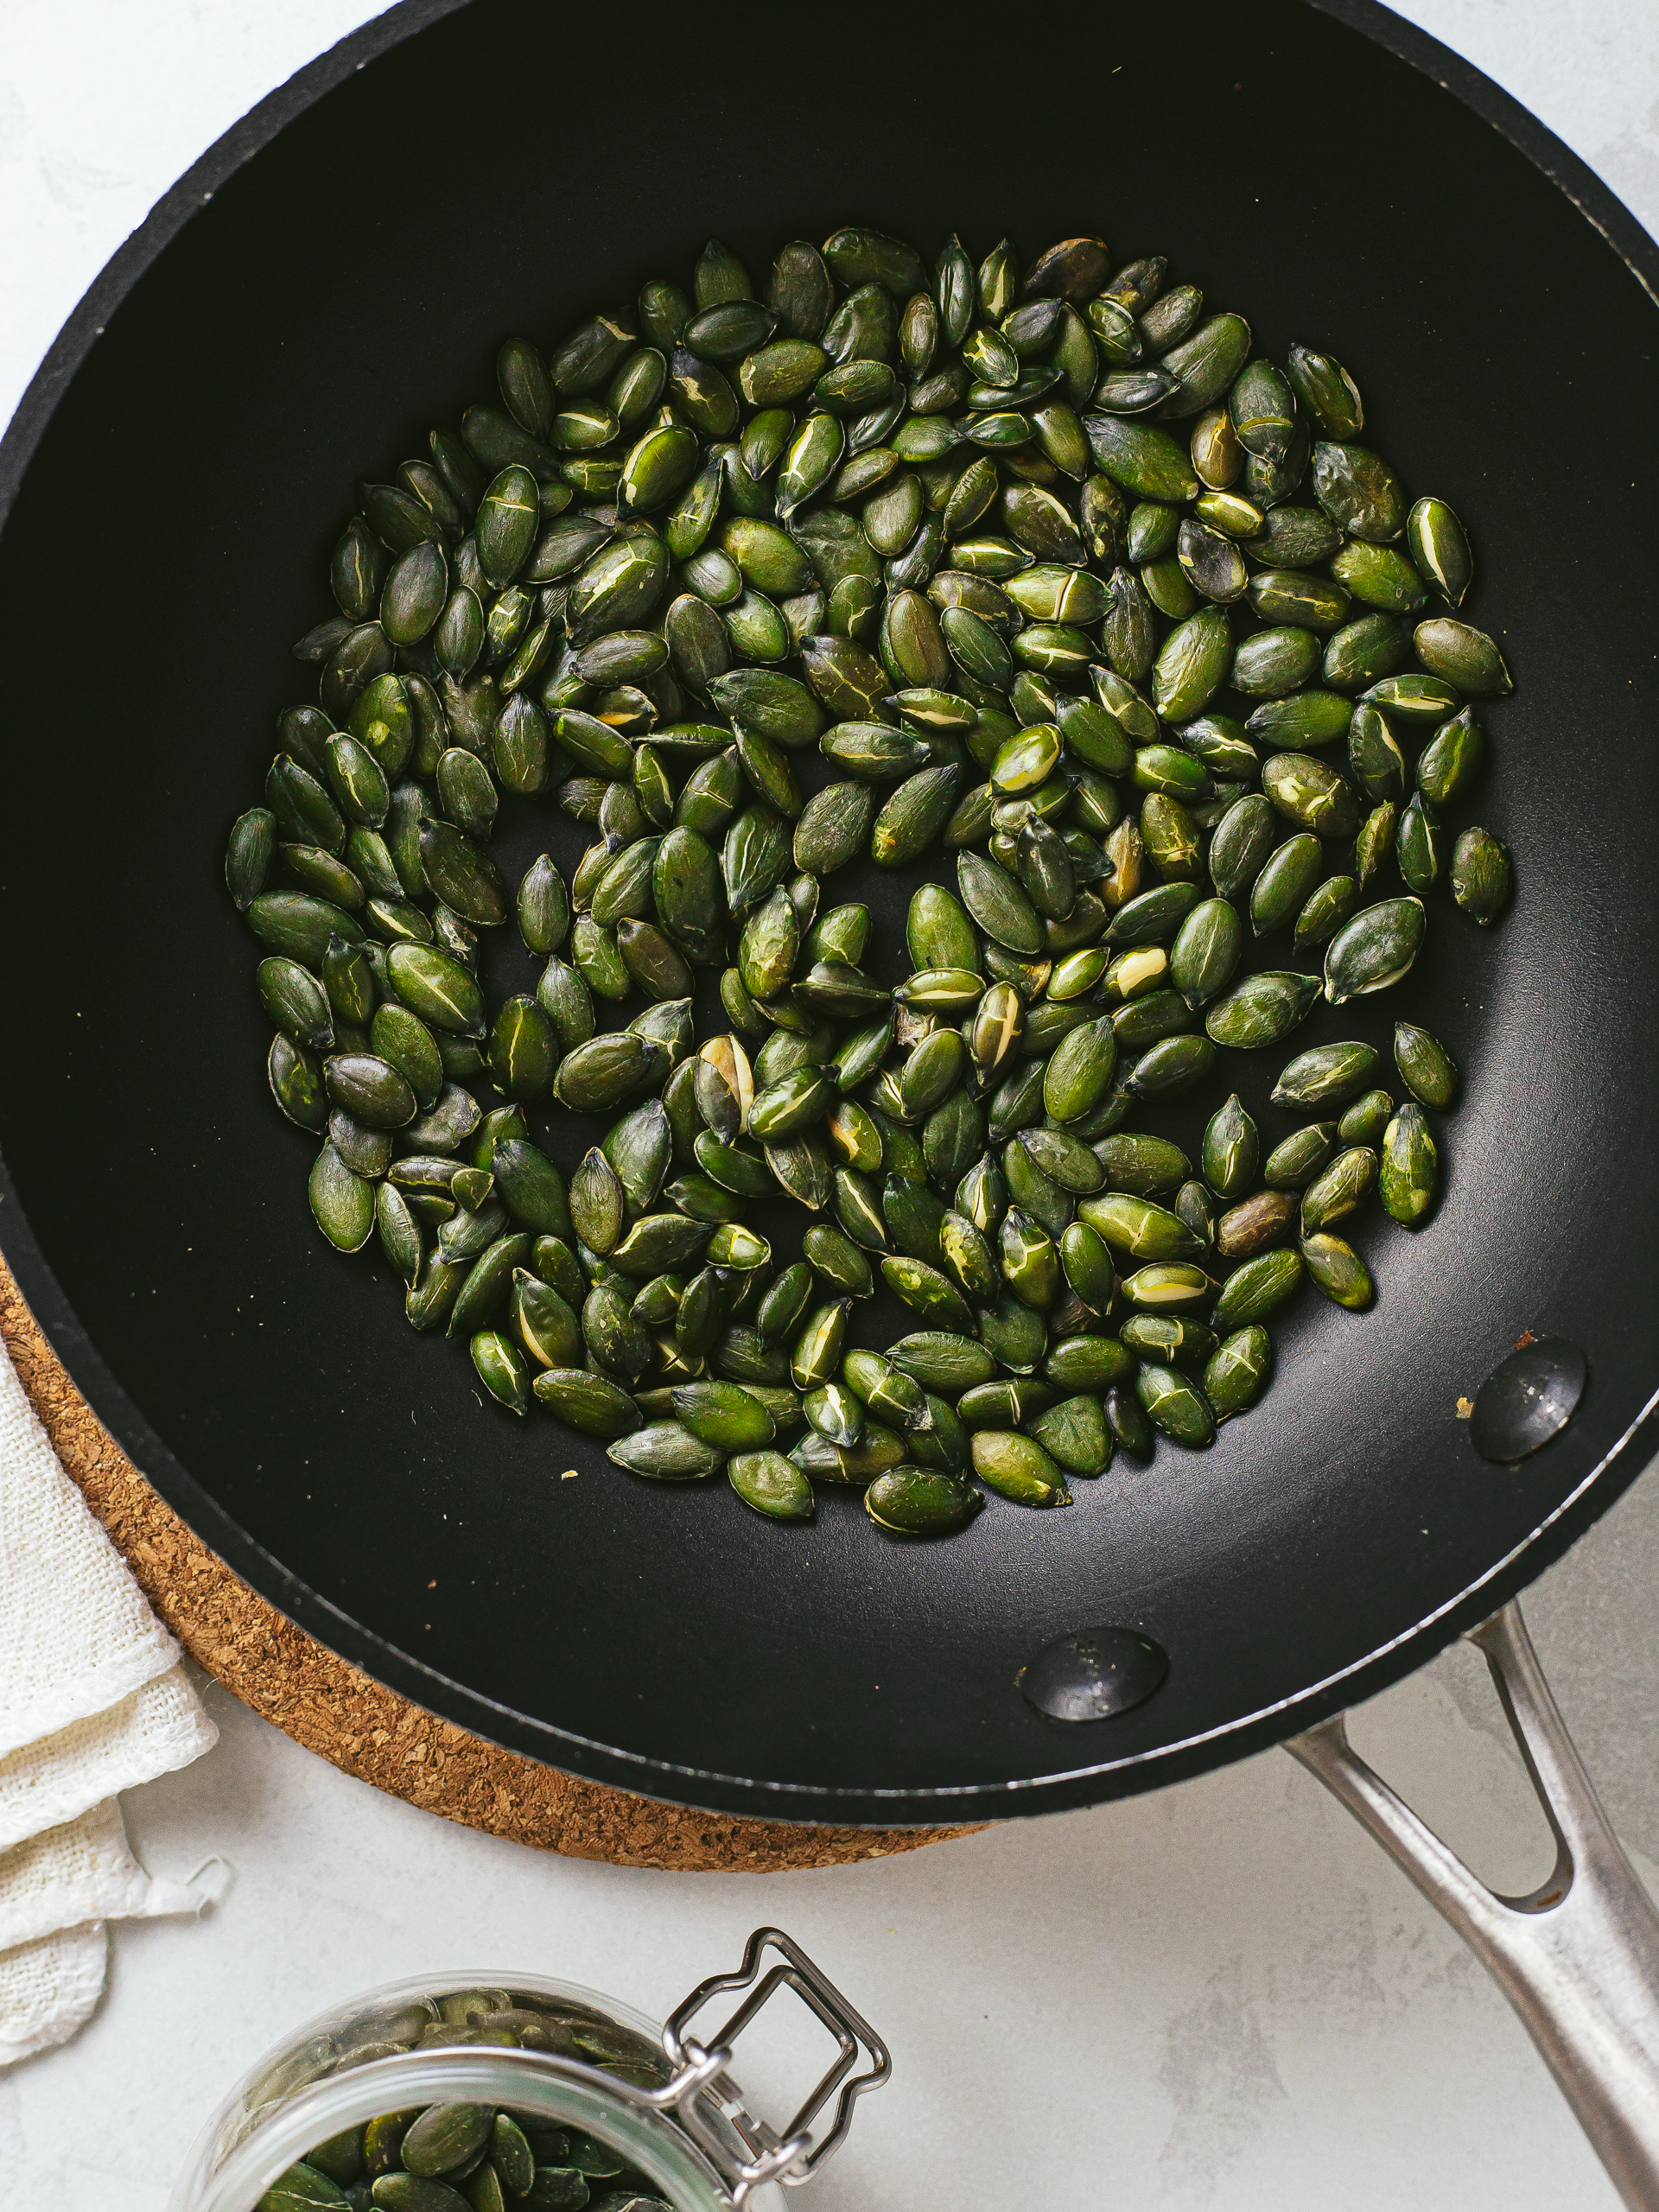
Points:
x=331 y=283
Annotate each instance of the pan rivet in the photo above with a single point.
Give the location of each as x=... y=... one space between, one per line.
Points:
x=1094 y=1675
x=1526 y=1399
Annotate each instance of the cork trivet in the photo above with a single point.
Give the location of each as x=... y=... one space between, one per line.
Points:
x=357 y=1724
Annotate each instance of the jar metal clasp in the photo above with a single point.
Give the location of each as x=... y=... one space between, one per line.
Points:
x=794 y=2155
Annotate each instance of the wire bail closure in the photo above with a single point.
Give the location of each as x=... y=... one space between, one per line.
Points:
x=794 y=2156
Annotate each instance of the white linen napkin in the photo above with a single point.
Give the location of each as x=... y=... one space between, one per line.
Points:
x=92 y=1701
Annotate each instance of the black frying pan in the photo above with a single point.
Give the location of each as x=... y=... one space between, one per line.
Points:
x=331 y=281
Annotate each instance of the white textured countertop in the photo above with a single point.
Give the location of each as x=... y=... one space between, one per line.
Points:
x=1220 y=1996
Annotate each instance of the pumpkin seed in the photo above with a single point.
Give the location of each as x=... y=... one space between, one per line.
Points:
x=770 y=1484
x=913 y=1501
x=1285 y=882
x=1018 y=1467
x=1425 y=1066
x=1408 y=1180
x=1176 y=1405
x=1440 y=549
x=1255 y=1289
x=1374 y=950
x=1483 y=877
x=1338 y=1189
x=1237 y=1373
x=1262 y=1009
x=1264 y=1218
x=1339 y=1271
x=1328 y=1075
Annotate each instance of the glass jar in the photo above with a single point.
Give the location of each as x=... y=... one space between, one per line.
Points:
x=635 y=2109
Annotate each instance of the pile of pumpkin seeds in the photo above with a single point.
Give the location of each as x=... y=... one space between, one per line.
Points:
x=462 y=2156
x=1034 y=574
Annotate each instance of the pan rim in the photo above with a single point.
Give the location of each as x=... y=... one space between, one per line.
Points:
x=1073 y=1786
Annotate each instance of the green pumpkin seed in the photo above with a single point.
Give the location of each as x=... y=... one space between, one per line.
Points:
x=500 y=1365
x=1329 y=1075
x=1462 y=656
x=770 y=1484
x=1366 y=1119
x=523 y=1049
x=1419 y=845
x=1358 y=491
x=1338 y=1189
x=1440 y=549
x=1152 y=915
x=305 y=2188
x=369 y=1088
x=462 y=875
x=608 y=1069
x=1139 y=1228
x=1262 y=1009
x=914 y=817
x=1244 y=836
x=1231 y=1150
x=1408 y=1180
x=942 y=1360
x=508 y=522
x=1374 y=950
x=1311 y=794
x=248 y=856
x=1018 y=1467
x=1176 y=1405
x=1264 y=1218
x=1325 y=910
x=1300 y=1158
x=1483 y=876
x=1195 y=1207
x=1081 y=1070
x=1141 y=458
x=914 y=1501
x=1016 y=1334
x=398 y=1232
x=1416 y=698
x=1088 y=1364
x=1380 y=575
x=1168 y=1284
x=1168 y=1339
x=1326 y=391
x=295 y=1002
x=294 y=923
x=1339 y=1271
x=1374 y=755
x=816 y=1353
x=1237 y=1373
x=1174 y=1066
x=342 y=1203
x=723 y=1414
x=1285 y=882
x=1425 y=1066
x=1451 y=761
x=591 y=1403
x=1308 y=720
x=1377 y=840
x=1074 y=1436
x=835 y=1413
x=665 y=1451
x=1255 y=1289
x=1193 y=665
x=1274 y=663
x=545 y=1322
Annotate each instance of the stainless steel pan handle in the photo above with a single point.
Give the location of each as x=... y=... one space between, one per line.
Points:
x=1579 y=1958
